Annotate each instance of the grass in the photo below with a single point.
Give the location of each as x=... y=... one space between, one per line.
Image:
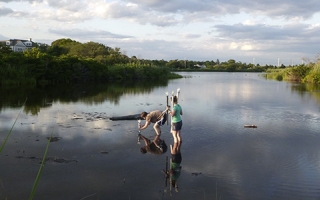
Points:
x=5 y=141
x=36 y=182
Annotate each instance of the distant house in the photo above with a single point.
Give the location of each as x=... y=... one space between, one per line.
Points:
x=18 y=45
x=200 y=66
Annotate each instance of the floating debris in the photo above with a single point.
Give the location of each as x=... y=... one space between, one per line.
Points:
x=50 y=159
x=104 y=152
x=77 y=117
x=54 y=139
x=250 y=126
x=27 y=123
x=195 y=173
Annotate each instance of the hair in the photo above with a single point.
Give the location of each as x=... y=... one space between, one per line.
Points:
x=175 y=99
x=143 y=114
x=143 y=150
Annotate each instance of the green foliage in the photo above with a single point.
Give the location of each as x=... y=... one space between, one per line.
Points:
x=302 y=73
x=68 y=61
x=297 y=73
x=314 y=75
x=62 y=46
x=89 y=50
x=277 y=74
x=135 y=72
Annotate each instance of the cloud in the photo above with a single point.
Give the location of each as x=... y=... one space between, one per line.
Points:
x=198 y=30
x=5 y=11
x=80 y=33
x=3 y=37
x=266 y=37
x=273 y=8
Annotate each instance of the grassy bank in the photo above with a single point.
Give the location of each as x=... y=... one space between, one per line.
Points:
x=303 y=73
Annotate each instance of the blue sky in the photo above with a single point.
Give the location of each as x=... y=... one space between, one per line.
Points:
x=247 y=31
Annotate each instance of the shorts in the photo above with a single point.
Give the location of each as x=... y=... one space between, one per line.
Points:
x=177 y=126
x=163 y=120
x=176 y=158
x=162 y=146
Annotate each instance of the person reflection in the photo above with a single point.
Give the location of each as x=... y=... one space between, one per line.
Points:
x=157 y=146
x=175 y=167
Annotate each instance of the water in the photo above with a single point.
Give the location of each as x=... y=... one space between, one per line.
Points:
x=96 y=158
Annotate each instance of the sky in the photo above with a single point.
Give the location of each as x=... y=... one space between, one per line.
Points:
x=249 y=31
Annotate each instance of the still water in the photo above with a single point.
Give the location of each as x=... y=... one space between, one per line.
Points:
x=94 y=157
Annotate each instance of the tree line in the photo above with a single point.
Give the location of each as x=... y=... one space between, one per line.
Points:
x=67 y=60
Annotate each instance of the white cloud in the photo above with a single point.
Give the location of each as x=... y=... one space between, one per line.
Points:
x=154 y=29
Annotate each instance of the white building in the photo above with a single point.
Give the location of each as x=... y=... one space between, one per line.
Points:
x=18 y=45
x=200 y=66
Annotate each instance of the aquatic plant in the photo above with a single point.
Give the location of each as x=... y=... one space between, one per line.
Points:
x=33 y=191
x=5 y=141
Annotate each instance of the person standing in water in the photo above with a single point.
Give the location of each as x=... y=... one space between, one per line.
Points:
x=176 y=121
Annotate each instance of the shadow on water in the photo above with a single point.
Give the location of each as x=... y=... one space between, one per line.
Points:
x=43 y=97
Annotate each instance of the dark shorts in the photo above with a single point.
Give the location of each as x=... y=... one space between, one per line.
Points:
x=163 y=146
x=163 y=120
x=176 y=158
x=177 y=126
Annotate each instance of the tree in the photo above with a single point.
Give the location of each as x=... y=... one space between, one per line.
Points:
x=61 y=46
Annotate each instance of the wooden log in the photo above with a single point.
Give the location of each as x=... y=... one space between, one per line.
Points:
x=127 y=117
x=250 y=126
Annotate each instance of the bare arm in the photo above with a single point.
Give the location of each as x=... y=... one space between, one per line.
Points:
x=146 y=140
x=145 y=125
x=172 y=113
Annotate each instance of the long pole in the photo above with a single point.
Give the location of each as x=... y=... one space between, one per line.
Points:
x=139 y=131
x=166 y=171
x=167 y=105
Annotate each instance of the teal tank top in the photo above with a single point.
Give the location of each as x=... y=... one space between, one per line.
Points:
x=177 y=117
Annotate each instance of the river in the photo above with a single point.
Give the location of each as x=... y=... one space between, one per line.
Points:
x=93 y=157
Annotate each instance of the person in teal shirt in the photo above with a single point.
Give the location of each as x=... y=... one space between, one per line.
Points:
x=176 y=121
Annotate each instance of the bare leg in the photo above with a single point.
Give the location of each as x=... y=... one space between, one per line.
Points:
x=174 y=150
x=179 y=136
x=174 y=134
x=156 y=127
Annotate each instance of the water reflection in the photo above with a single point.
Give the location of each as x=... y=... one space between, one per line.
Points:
x=277 y=160
x=156 y=146
x=46 y=96
x=312 y=89
x=175 y=168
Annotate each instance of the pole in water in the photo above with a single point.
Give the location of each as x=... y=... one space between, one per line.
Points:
x=166 y=171
x=139 y=131
x=172 y=102
x=167 y=105
x=178 y=92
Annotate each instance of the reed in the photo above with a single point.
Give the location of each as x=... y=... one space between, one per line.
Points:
x=40 y=169
x=5 y=141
